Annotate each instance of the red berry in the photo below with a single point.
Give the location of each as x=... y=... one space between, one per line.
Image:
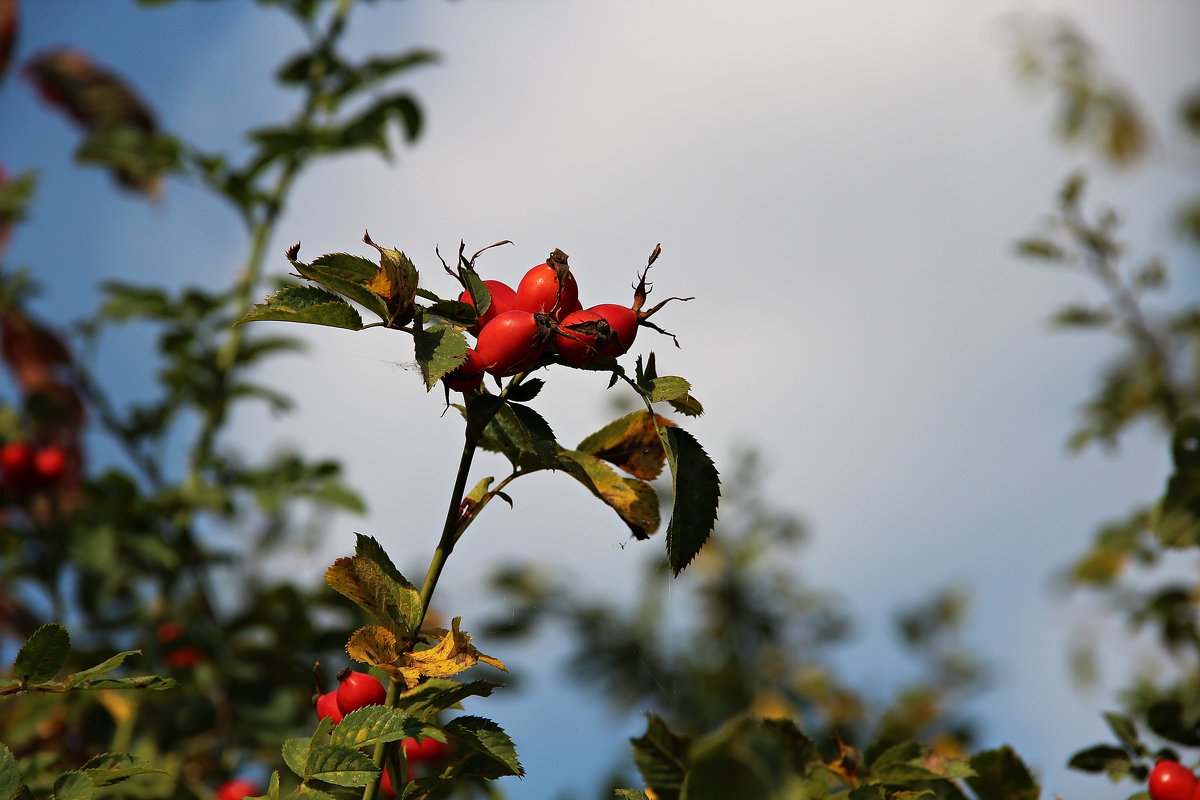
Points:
x=358 y=689
x=511 y=343
x=238 y=788
x=169 y=631
x=468 y=375
x=49 y=463
x=503 y=299
x=385 y=785
x=1170 y=780
x=623 y=321
x=327 y=707
x=426 y=751
x=184 y=657
x=539 y=292
x=15 y=458
x=590 y=337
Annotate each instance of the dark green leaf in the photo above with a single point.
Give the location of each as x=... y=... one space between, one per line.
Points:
x=1002 y=775
x=496 y=755
x=697 y=491
x=346 y=275
x=521 y=435
x=147 y=682
x=1082 y=317
x=1168 y=719
x=438 y=694
x=10 y=774
x=339 y=765
x=305 y=304
x=454 y=311
x=631 y=794
x=43 y=654
x=668 y=387
x=73 y=786
x=1102 y=758
x=295 y=755
x=661 y=757
x=1124 y=729
x=372 y=724
x=439 y=350
x=526 y=391
x=108 y=665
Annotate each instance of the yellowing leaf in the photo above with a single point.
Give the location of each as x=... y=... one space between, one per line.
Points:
x=374 y=645
x=453 y=654
x=396 y=282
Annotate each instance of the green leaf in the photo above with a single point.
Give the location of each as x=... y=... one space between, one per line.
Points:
x=373 y=583
x=1113 y=761
x=661 y=757
x=438 y=694
x=10 y=774
x=493 y=754
x=668 y=387
x=73 y=786
x=43 y=654
x=148 y=682
x=1040 y=249
x=526 y=391
x=631 y=443
x=688 y=406
x=373 y=724
x=109 y=768
x=1002 y=775
x=481 y=295
x=522 y=436
x=295 y=754
x=340 y=765
x=635 y=501
x=348 y=276
x=1125 y=730
x=1082 y=317
x=439 y=350
x=454 y=311
x=307 y=304
x=697 y=488
x=103 y=668
x=1169 y=719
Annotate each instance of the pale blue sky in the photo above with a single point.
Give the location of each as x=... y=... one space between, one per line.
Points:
x=838 y=184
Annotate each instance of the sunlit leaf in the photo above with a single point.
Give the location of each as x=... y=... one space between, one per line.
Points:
x=305 y=304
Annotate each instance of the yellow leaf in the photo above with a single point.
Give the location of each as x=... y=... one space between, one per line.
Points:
x=453 y=654
x=374 y=645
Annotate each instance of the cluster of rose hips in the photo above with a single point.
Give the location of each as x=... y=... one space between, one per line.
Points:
x=26 y=467
x=1170 y=780
x=357 y=690
x=543 y=320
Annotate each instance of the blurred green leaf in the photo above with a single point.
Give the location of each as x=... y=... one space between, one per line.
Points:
x=1002 y=775
x=43 y=654
x=73 y=786
x=661 y=757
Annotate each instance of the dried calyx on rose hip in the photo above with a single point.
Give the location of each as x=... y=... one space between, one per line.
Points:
x=549 y=288
x=358 y=689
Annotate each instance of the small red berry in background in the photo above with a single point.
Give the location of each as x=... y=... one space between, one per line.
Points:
x=327 y=707
x=237 y=789
x=1170 y=780
x=385 y=785
x=169 y=631
x=184 y=657
x=49 y=463
x=15 y=458
x=358 y=689
x=426 y=751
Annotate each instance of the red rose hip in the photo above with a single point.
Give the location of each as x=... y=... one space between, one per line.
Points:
x=238 y=788
x=1170 y=780
x=358 y=689
x=549 y=288
x=511 y=343
x=503 y=299
x=327 y=707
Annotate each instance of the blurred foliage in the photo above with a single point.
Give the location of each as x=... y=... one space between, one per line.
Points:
x=1134 y=563
x=162 y=550
x=758 y=644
